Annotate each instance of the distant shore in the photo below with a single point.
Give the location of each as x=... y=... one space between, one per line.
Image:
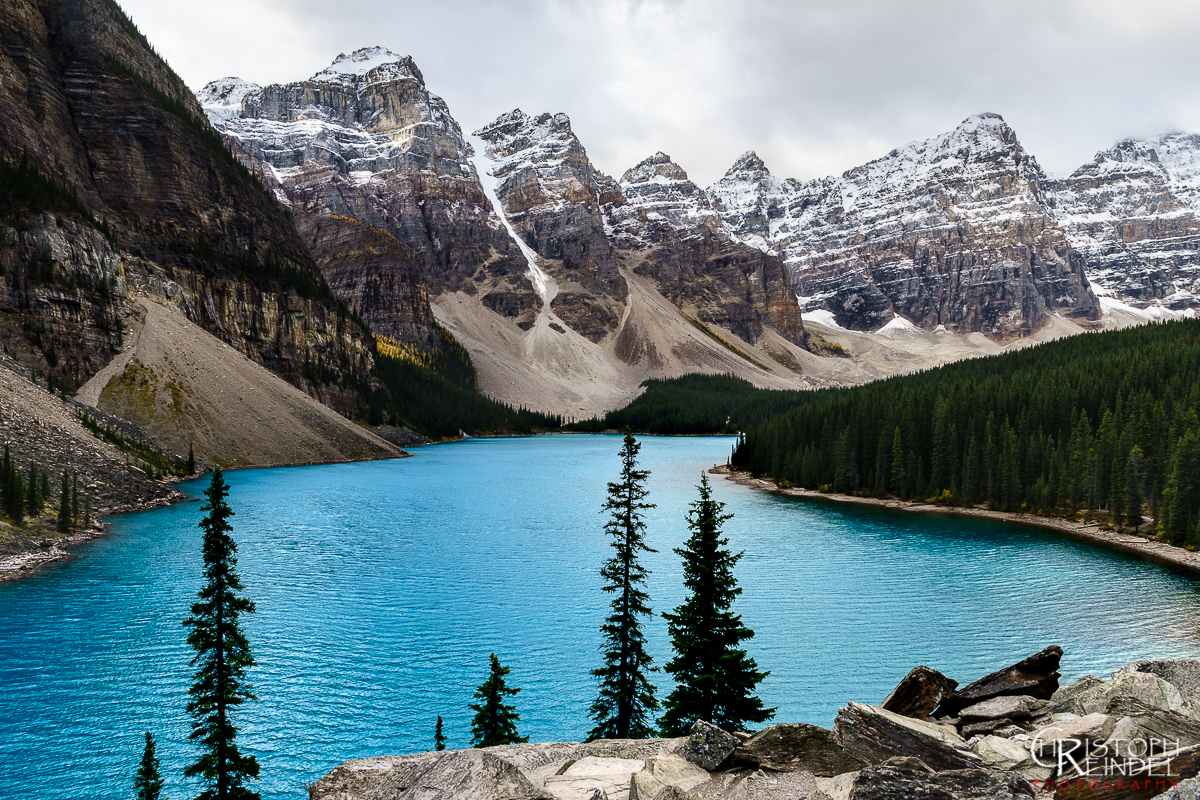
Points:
x=1151 y=549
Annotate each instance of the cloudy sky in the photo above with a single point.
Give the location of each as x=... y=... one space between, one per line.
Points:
x=814 y=87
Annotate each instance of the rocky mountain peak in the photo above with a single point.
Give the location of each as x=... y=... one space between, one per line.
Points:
x=516 y=131
x=223 y=97
x=748 y=166
x=658 y=167
x=368 y=65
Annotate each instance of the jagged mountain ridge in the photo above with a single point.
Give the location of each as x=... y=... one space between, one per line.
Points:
x=365 y=143
x=1134 y=212
x=954 y=231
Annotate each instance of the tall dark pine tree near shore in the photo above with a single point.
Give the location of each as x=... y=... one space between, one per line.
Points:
x=222 y=657
x=715 y=678
x=626 y=699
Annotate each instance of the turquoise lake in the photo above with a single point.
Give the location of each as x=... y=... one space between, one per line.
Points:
x=382 y=587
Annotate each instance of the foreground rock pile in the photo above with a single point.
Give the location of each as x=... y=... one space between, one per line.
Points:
x=1012 y=734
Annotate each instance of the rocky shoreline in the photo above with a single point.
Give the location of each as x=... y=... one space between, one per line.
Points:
x=1014 y=734
x=1151 y=549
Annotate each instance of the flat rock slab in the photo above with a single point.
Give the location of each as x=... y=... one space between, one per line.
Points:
x=1010 y=707
x=919 y=693
x=707 y=745
x=1156 y=723
x=454 y=775
x=590 y=774
x=1036 y=676
x=873 y=735
x=890 y=783
x=760 y=785
x=796 y=747
x=661 y=772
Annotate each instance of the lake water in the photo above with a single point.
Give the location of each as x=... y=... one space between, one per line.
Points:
x=382 y=587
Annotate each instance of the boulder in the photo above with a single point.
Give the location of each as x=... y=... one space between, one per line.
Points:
x=1009 y=707
x=1058 y=743
x=793 y=747
x=1143 y=687
x=919 y=693
x=663 y=772
x=1182 y=673
x=1184 y=790
x=1065 y=694
x=838 y=787
x=707 y=745
x=1008 y=755
x=873 y=735
x=760 y=785
x=584 y=778
x=1036 y=676
x=890 y=783
x=453 y=775
x=1141 y=784
x=1170 y=729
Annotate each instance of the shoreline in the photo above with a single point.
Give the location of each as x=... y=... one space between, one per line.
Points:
x=1149 y=549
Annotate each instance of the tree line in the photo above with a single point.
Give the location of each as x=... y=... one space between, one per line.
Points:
x=25 y=495
x=696 y=404
x=1104 y=423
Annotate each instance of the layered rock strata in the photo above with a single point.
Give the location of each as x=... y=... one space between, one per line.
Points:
x=954 y=231
x=1133 y=211
x=117 y=187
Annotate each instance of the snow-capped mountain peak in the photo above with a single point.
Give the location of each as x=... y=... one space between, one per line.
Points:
x=366 y=60
x=223 y=97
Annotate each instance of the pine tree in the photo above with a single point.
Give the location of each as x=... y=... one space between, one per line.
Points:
x=439 y=738
x=33 y=505
x=1133 y=488
x=190 y=466
x=64 y=505
x=75 y=518
x=626 y=697
x=495 y=722
x=715 y=678
x=148 y=784
x=222 y=657
x=899 y=478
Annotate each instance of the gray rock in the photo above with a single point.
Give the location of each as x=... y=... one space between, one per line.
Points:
x=838 y=787
x=919 y=693
x=450 y=775
x=1142 y=784
x=662 y=772
x=1072 y=737
x=1065 y=694
x=707 y=745
x=586 y=777
x=1036 y=676
x=796 y=746
x=1155 y=723
x=873 y=735
x=889 y=783
x=1009 y=707
x=984 y=727
x=1184 y=790
x=1182 y=673
x=1143 y=687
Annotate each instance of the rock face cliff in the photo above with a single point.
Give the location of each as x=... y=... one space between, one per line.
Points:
x=377 y=177
x=115 y=186
x=1134 y=213
x=957 y=230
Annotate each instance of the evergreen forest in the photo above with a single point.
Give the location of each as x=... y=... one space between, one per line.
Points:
x=1104 y=423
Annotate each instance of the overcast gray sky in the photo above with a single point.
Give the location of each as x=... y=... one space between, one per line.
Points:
x=815 y=87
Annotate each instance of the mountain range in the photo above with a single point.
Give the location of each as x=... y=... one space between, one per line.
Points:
x=569 y=286
x=312 y=228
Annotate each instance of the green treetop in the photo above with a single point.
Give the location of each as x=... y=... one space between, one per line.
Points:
x=495 y=722
x=715 y=678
